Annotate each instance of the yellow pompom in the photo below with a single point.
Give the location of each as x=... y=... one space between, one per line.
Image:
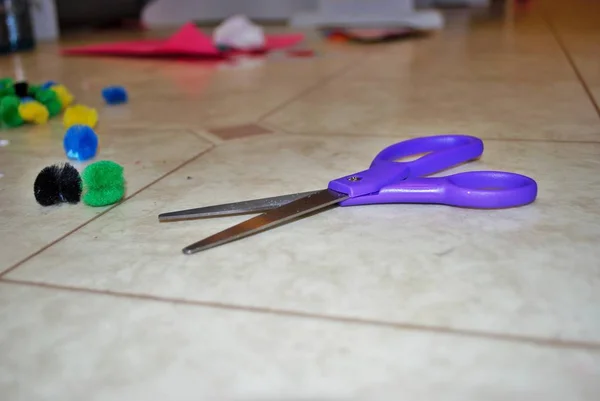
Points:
x=64 y=96
x=34 y=112
x=80 y=115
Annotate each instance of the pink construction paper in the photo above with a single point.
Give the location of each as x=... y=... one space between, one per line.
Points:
x=277 y=42
x=188 y=41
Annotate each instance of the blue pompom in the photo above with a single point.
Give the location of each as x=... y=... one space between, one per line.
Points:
x=27 y=99
x=80 y=142
x=48 y=84
x=114 y=94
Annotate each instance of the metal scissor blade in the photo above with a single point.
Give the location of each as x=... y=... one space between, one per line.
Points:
x=228 y=209
x=271 y=218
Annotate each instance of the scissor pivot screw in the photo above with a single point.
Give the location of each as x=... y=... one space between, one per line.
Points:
x=354 y=178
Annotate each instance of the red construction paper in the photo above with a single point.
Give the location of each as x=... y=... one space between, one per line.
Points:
x=189 y=41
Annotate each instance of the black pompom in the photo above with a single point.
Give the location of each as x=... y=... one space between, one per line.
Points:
x=57 y=184
x=21 y=89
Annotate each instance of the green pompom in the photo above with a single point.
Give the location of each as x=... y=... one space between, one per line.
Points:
x=8 y=91
x=9 y=111
x=45 y=95
x=34 y=89
x=54 y=107
x=103 y=183
x=6 y=82
x=49 y=99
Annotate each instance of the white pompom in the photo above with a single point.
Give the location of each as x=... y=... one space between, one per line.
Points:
x=240 y=33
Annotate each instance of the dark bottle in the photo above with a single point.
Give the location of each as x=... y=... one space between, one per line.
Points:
x=16 y=29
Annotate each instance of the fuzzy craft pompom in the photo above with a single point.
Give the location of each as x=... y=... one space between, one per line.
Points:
x=33 y=90
x=49 y=99
x=64 y=96
x=6 y=82
x=21 y=88
x=103 y=183
x=80 y=142
x=34 y=112
x=79 y=114
x=57 y=184
x=7 y=91
x=48 y=84
x=9 y=111
x=114 y=95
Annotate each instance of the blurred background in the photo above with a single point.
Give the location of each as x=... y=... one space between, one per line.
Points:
x=51 y=18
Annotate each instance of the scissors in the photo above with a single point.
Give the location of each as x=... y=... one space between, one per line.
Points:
x=385 y=181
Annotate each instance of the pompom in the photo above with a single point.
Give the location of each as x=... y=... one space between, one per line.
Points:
x=48 y=84
x=80 y=142
x=27 y=99
x=49 y=99
x=57 y=184
x=54 y=107
x=6 y=83
x=21 y=88
x=34 y=112
x=33 y=90
x=80 y=115
x=45 y=95
x=114 y=95
x=9 y=111
x=64 y=96
x=103 y=183
x=7 y=91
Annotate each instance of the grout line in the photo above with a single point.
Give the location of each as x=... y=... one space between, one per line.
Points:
x=513 y=338
x=572 y=62
x=415 y=135
x=205 y=135
x=57 y=240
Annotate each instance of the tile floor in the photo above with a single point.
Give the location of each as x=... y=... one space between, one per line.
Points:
x=415 y=302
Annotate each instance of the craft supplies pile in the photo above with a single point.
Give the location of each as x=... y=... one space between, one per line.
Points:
x=102 y=182
x=22 y=103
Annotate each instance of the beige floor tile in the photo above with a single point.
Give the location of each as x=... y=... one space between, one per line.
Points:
x=584 y=49
x=526 y=271
x=228 y=109
x=576 y=16
x=589 y=67
x=76 y=73
x=595 y=90
x=489 y=109
x=517 y=51
x=26 y=226
x=203 y=102
x=576 y=25
x=410 y=61
x=72 y=346
x=508 y=32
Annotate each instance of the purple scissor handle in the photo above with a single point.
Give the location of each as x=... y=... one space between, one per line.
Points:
x=389 y=181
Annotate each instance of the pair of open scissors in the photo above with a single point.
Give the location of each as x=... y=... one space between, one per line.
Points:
x=385 y=181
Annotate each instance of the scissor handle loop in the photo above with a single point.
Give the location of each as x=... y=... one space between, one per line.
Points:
x=441 y=152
